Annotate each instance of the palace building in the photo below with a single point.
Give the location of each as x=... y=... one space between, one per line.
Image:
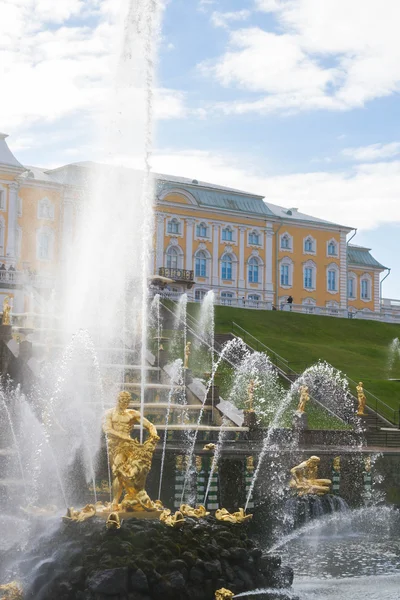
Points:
x=207 y=237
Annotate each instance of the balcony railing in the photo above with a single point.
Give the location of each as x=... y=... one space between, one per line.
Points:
x=10 y=277
x=177 y=274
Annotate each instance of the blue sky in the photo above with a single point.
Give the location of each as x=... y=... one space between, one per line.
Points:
x=293 y=99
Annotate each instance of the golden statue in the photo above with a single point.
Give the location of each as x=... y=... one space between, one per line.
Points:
x=304 y=398
x=79 y=516
x=237 y=517
x=361 y=400
x=223 y=594
x=209 y=447
x=253 y=385
x=11 y=591
x=6 y=320
x=250 y=463
x=187 y=354
x=113 y=521
x=367 y=464
x=336 y=464
x=305 y=478
x=176 y=520
x=130 y=461
x=189 y=511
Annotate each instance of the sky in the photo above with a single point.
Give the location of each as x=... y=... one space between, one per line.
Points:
x=296 y=100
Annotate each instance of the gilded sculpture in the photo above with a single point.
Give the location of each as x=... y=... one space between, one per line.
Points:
x=304 y=398
x=223 y=594
x=130 y=461
x=113 y=521
x=187 y=355
x=222 y=514
x=251 y=388
x=6 y=320
x=11 y=591
x=172 y=520
x=361 y=400
x=210 y=447
x=189 y=511
x=87 y=512
x=336 y=464
x=305 y=481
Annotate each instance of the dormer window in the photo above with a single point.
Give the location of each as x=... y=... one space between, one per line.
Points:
x=254 y=238
x=227 y=235
x=173 y=226
x=201 y=230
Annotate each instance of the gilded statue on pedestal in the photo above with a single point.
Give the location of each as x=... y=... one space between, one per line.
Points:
x=130 y=461
x=6 y=320
x=305 y=479
x=187 y=355
x=304 y=398
x=361 y=400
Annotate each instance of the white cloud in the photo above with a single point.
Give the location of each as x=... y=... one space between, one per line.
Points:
x=224 y=19
x=373 y=152
x=334 y=55
x=365 y=196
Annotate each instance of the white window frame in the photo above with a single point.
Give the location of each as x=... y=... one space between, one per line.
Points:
x=201 y=292
x=3 y=197
x=202 y=248
x=285 y=235
x=258 y=234
x=232 y=230
x=45 y=202
x=286 y=261
x=333 y=267
x=180 y=252
x=310 y=264
x=48 y=231
x=197 y=236
x=233 y=269
x=354 y=278
x=336 y=244
x=227 y=298
x=169 y=220
x=260 y=270
x=310 y=238
x=366 y=277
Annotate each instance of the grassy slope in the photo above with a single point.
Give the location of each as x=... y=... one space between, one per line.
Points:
x=358 y=348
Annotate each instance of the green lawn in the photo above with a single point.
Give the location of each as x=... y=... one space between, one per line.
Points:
x=358 y=348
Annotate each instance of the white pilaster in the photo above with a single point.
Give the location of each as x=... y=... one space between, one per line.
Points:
x=67 y=227
x=242 y=231
x=269 y=235
x=159 y=242
x=189 y=244
x=343 y=270
x=12 y=220
x=376 y=292
x=215 y=255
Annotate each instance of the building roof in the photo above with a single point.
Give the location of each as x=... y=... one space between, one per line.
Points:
x=293 y=214
x=361 y=257
x=7 y=158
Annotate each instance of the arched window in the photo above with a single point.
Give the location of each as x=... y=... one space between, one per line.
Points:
x=253 y=270
x=226 y=264
x=352 y=286
x=309 y=244
x=332 y=248
x=201 y=230
x=332 y=280
x=254 y=238
x=173 y=226
x=199 y=295
x=172 y=258
x=44 y=244
x=226 y=298
x=309 y=275
x=286 y=242
x=227 y=234
x=45 y=209
x=365 y=288
x=201 y=264
x=284 y=274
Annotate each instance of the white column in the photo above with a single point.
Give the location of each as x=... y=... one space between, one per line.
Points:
x=12 y=220
x=215 y=255
x=376 y=291
x=343 y=270
x=241 y=257
x=269 y=284
x=189 y=244
x=160 y=242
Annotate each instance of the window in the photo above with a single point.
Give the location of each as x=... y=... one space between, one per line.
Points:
x=227 y=234
x=226 y=267
x=201 y=230
x=308 y=277
x=45 y=209
x=172 y=258
x=351 y=287
x=332 y=280
x=2 y=199
x=226 y=298
x=201 y=265
x=332 y=248
x=365 y=289
x=253 y=270
x=199 y=295
x=44 y=245
x=253 y=300
x=173 y=226
x=286 y=242
x=309 y=245
x=284 y=274
x=254 y=238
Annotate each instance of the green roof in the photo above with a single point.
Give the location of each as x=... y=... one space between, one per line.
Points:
x=361 y=257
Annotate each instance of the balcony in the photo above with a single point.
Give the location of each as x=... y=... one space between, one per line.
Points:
x=178 y=275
